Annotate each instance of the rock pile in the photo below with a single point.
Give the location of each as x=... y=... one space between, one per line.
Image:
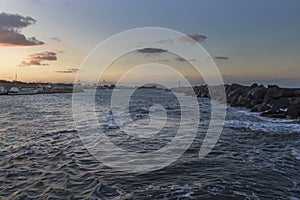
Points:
x=271 y=101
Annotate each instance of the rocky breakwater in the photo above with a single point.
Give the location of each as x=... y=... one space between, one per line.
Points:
x=271 y=101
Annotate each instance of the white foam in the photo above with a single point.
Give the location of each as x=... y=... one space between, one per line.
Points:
x=268 y=126
x=257 y=115
x=110 y=120
x=296 y=153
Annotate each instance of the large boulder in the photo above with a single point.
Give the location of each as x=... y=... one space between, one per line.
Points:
x=254 y=85
x=256 y=102
x=257 y=92
x=260 y=108
x=201 y=91
x=273 y=92
x=241 y=100
x=293 y=112
x=234 y=101
x=295 y=102
x=297 y=93
x=281 y=104
x=236 y=91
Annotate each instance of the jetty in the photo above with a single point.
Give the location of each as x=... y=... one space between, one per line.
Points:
x=271 y=101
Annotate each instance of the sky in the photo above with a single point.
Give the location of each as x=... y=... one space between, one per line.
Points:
x=250 y=41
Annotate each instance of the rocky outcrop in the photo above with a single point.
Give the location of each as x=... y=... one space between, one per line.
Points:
x=271 y=101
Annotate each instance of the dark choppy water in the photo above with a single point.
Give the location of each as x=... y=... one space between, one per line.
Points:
x=42 y=156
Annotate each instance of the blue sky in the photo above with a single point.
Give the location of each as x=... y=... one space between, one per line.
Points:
x=259 y=37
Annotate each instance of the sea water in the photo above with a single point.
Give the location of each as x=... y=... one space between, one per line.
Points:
x=43 y=157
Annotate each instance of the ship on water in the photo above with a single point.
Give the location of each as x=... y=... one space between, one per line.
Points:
x=16 y=91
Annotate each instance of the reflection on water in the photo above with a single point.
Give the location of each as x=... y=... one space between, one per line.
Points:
x=42 y=156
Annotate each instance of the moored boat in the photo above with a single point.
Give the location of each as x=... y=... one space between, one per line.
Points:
x=16 y=91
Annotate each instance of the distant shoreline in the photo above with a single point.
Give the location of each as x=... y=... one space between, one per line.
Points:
x=271 y=101
x=36 y=88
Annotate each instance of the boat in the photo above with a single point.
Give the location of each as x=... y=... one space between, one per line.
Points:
x=16 y=91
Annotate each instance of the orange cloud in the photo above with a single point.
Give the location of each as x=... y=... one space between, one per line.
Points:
x=38 y=59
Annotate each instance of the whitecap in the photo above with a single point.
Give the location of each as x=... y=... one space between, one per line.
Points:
x=296 y=153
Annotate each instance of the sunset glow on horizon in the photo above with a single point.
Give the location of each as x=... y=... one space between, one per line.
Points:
x=47 y=41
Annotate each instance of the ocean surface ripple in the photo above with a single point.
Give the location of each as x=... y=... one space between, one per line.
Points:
x=42 y=156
